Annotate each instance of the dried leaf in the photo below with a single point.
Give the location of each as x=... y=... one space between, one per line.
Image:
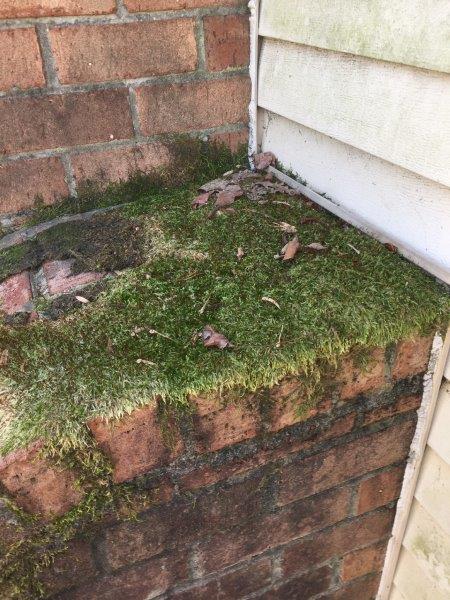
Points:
x=281 y=202
x=4 y=356
x=353 y=248
x=201 y=200
x=228 y=173
x=213 y=339
x=240 y=253
x=82 y=299
x=278 y=344
x=271 y=301
x=214 y=186
x=286 y=227
x=290 y=250
x=143 y=361
x=225 y=199
x=316 y=247
x=154 y=332
x=264 y=160
x=391 y=247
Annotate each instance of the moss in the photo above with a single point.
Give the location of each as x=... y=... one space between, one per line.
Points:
x=61 y=374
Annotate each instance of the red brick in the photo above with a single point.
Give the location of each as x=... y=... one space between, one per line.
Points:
x=412 y=357
x=91 y=53
x=12 y=9
x=301 y=587
x=362 y=562
x=203 y=591
x=15 y=292
x=361 y=589
x=23 y=181
x=332 y=467
x=227 y=42
x=249 y=578
x=20 y=60
x=232 y=424
x=345 y=537
x=135 y=443
x=380 y=489
x=59 y=279
x=178 y=108
x=154 y=5
x=63 y=120
x=255 y=537
x=137 y=583
x=233 y=139
x=36 y=485
x=118 y=164
x=356 y=380
x=402 y=404
x=73 y=565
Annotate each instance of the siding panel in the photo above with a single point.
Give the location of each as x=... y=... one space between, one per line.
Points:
x=394 y=112
x=412 y=32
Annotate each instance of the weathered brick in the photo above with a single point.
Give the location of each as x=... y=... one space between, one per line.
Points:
x=254 y=537
x=12 y=9
x=20 y=60
x=332 y=467
x=400 y=405
x=151 y=5
x=59 y=279
x=354 y=379
x=36 y=485
x=380 y=489
x=361 y=589
x=227 y=42
x=178 y=108
x=231 y=139
x=412 y=357
x=135 y=443
x=231 y=424
x=63 y=120
x=141 y=582
x=364 y=561
x=15 y=292
x=304 y=586
x=345 y=537
x=89 y=53
x=23 y=181
x=245 y=580
x=71 y=566
x=118 y=164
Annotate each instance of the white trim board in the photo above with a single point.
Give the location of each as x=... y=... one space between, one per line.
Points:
x=390 y=203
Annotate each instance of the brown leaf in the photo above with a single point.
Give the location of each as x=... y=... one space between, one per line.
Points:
x=391 y=247
x=264 y=160
x=271 y=301
x=214 y=186
x=213 y=339
x=316 y=247
x=290 y=250
x=225 y=199
x=201 y=200
x=286 y=227
x=4 y=356
x=240 y=253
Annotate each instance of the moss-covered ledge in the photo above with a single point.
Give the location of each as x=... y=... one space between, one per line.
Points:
x=321 y=327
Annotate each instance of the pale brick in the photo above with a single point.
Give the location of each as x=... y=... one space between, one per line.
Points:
x=59 y=278
x=412 y=357
x=15 y=292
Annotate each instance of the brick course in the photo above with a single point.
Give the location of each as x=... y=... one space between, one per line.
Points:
x=12 y=9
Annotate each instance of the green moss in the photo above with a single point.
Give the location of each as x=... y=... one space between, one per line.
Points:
x=60 y=374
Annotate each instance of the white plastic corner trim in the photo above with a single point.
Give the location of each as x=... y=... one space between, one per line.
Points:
x=253 y=6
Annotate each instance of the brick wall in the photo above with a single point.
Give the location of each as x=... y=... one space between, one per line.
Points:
x=249 y=500
x=89 y=88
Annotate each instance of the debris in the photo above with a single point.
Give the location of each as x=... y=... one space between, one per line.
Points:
x=203 y=308
x=290 y=249
x=286 y=227
x=228 y=173
x=4 y=355
x=316 y=247
x=143 y=361
x=240 y=253
x=201 y=200
x=264 y=160
x=271 y=301
x=278 y=344
x=82 y=299
x=154 y=332
x=225 y=199
x=391 y=247
x=353 y=248
x=213 y=339
x=216 y=185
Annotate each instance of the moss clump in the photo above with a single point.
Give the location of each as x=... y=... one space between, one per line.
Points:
x=105 y=359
